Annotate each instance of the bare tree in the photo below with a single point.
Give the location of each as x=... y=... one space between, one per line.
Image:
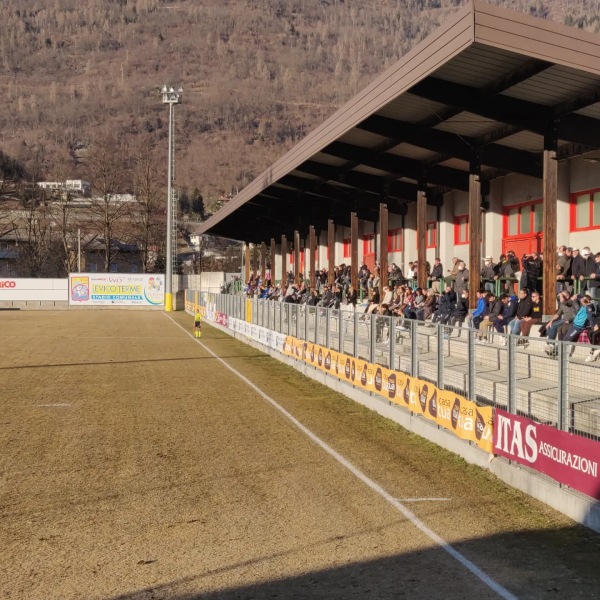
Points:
x=107 y=167
x=148 y=218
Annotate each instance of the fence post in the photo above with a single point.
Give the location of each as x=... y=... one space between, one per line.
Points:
x=373 y=332
x=327 y=328
x=316 y=338
x=340 y=331
x=440 y=356
x=355 y=336
x=413 y=348
x=297 y=311
x=471 y=394
x=511 y=388
x=563 y=417
x=392 y=334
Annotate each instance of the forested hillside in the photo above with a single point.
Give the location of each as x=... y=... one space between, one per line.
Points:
x=257 y=74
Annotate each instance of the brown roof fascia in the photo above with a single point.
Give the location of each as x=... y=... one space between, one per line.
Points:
x=455 y=35
x=538 y=38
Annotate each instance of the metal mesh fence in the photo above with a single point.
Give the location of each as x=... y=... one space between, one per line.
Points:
x=551 y=382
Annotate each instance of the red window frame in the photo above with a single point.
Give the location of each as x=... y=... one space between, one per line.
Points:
x=573 y=209
x=460 y=220
x=347 y=245
x=431 y=240
x=369 y=244
x=395 y=241
x=520 y=234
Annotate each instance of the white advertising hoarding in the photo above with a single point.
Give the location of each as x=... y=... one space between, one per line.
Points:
x=116 y=289
x=31 y=289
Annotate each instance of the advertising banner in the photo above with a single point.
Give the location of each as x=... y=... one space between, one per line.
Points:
x=567 y=458
x=116 y=289
x=249 y=311
x=28 y=289
x=221 y=318
x=455 y=413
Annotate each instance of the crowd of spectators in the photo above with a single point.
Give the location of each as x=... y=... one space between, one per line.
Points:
x=509 y=300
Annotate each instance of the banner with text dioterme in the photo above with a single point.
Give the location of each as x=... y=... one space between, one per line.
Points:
x=116 y=289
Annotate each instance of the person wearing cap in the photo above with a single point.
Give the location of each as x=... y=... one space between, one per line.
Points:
x=488 y=274
x=437 y=274
x=589 y=267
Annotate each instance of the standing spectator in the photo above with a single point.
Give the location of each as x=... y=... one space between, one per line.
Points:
x=454 y=271
x=577 y=268
x=563 y=269
x=488 y=274
x=351 y=296
x=462 y=278
x=594 y=282
x=589 y=267
x=436 y=275
x=532 y=269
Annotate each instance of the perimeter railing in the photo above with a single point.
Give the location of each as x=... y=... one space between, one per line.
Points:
x=549 y=382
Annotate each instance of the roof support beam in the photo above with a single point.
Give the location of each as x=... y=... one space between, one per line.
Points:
x=296 y=256
x=272 y=258
x=284 y=251
x=421 y=238
x=263 y=262
x=474 y=236
x=383 y=248
x=331 y=251
x=550 y=201
x=354 y=250
x=312 y=248
x=451 y=145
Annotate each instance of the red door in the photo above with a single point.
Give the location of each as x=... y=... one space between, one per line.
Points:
x=523 y=228
x=369 y=251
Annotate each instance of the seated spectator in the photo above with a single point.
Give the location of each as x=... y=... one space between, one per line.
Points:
x=535 y=317
x=351 y=296
x=495 y=306
x=583 y=319
x=480 y=309
x=523 y=310
x=446 y=304
x=427 y=307
x=567 y=309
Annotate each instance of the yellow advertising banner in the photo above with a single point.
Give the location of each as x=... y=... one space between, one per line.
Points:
x=248 y=311
x=453 y=412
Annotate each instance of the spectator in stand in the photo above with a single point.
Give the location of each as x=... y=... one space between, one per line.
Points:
x=493 y=312
x=523 y=310
x=446 y=305
x=460 y=311
x=589 y=267
x=563 y=269
x=583 y=319
x=567 y=309
x=488 y=274
x=312 y=298
x=437 y=274
x=594 y=282
x=411 y=273
x=534 y=318
x=480 y=309
x=327 y=297
x=594 y=335
x=454 y=271
x=351 y=296
x=509 y=312
x=462 y=278
x=508 y=269
x=532 y=269
x=577 y=267
x=427 y=307
x=395 y=276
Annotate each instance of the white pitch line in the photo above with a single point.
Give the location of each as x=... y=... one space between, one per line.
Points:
x=423 y=499
x=465 y=562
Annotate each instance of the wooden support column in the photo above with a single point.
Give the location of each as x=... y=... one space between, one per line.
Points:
x=354 y=249
x=474 y=237
x=254 y=260
x=284 y=251
x=247 y=262
x=331 y=250
x=312 y=246
x=383 y=247
x=296 y=256
x=272 y=261
x=549 y=228
x=421 y=238
x=263 y=261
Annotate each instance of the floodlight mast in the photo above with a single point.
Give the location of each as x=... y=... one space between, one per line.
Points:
x=171 y=97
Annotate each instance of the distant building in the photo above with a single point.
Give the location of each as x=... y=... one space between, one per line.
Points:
x=76 y=186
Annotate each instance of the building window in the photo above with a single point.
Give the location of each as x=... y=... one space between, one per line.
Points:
x=585 y=210
x=395 y=240
x=431 y=237
x=368 y=245
x=524 y=220
x=461 y=230
x=347 y=247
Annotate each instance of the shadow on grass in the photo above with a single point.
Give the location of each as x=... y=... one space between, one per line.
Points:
x=555 y=563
